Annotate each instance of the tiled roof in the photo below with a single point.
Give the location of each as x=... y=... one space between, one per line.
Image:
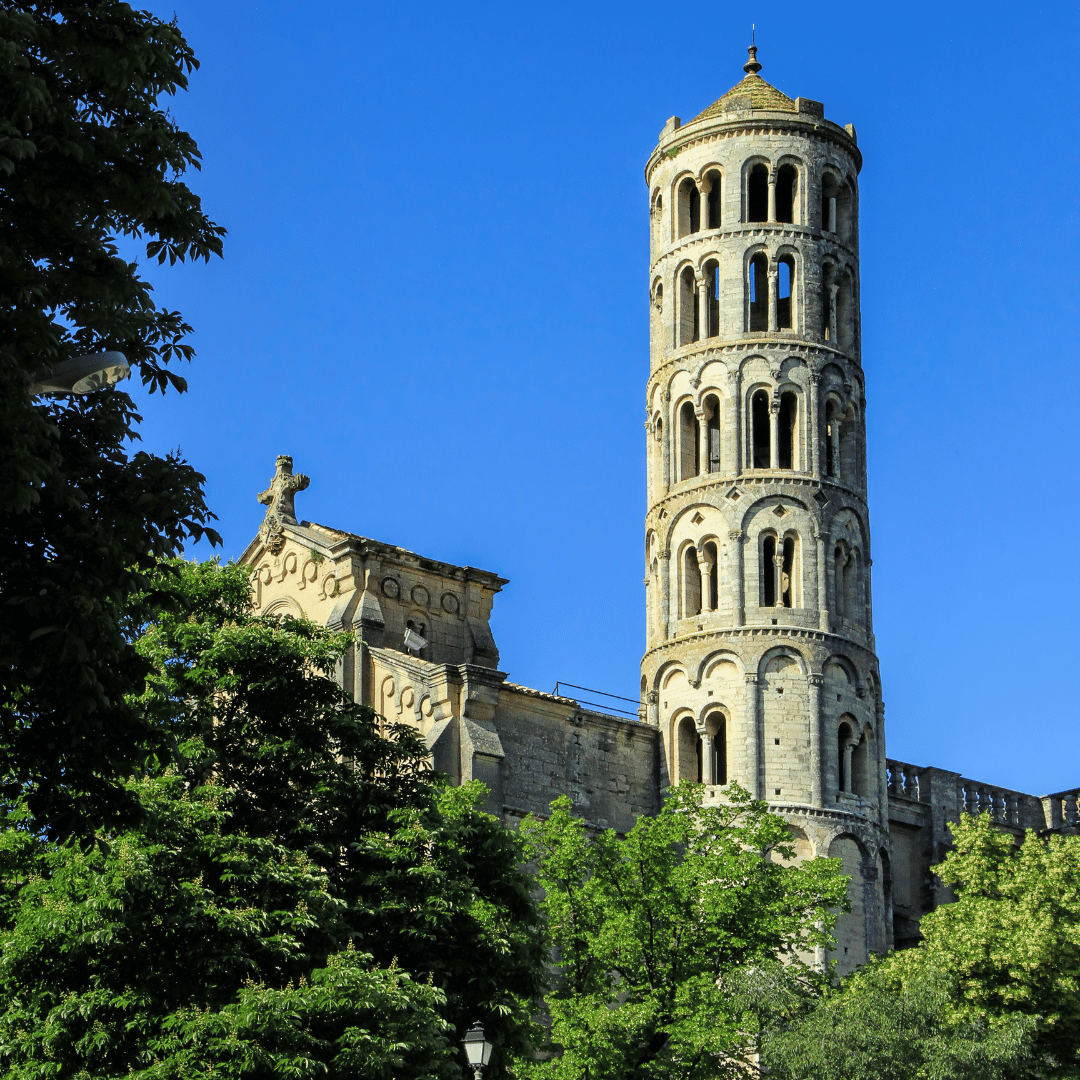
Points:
x=762 y=96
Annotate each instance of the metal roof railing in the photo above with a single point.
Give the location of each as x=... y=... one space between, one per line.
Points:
x=633 y=714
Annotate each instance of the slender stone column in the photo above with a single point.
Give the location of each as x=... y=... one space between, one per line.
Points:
x=707 y=776
x=832 y=213
x=735 y=423
x=665 y=593
x=774 y=433
x=703 y=441
x=772 y=196
x=813 y=433
x=822 y=583
x=755 y=765
x=737 y=606
x=774 y=298
x=702 y=307
x=703 y=206
x=705 y=565
x=778 y=572
x=834 y=334
x=817 y=691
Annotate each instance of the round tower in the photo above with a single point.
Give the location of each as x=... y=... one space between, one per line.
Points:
x=759 y=665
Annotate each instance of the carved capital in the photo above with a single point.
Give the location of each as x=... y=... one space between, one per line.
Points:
x=815 y=680
x=751 y=678
x=735 y=535
x=815 y=378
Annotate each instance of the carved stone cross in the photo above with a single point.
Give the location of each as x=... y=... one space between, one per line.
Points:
x=278 y=500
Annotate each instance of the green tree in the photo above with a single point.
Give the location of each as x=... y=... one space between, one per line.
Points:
x=1012 y=938
x=88 y=157
x=299 y=897
x=894 y=1021
x=675 y=943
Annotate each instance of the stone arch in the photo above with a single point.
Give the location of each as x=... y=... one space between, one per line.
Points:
x=667 y=675
x=845 y=667
x=804 y=849
x=685 y=743
x=852 y=946
x=284 y=605
x=712 y=205
x=709 y=665
x=685 y=205
x=754 y=201
x=780 y=653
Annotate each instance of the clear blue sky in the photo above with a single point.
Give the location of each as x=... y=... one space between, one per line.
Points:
x=434 y=296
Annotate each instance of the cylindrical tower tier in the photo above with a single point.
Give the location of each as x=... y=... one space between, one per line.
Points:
x=759 y=664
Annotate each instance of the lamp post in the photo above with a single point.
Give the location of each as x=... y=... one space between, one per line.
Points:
x=83 y=375
x=477 y=1049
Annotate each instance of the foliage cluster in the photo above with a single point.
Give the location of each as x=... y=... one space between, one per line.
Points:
x=88 y=157
x=678 y=942
x=297 y=899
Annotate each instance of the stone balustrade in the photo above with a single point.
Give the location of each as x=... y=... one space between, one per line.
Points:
x=1061 y=809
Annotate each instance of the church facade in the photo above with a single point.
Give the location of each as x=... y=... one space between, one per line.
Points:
x=759 y=665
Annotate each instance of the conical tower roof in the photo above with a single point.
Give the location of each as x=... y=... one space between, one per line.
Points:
x=762 y=94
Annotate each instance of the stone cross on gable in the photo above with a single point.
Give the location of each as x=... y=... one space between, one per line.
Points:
x=278 y=500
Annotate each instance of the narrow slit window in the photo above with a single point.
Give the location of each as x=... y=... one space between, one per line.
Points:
x=760 y=437
x=712 y=292
x=712 y=413
x=787 y=430
x=787 y=574
x=768 y=572
x=757 y=193
x=758 y=293
x=689 y=434
x=713 y=208
x=787 y=185
x=785 y=291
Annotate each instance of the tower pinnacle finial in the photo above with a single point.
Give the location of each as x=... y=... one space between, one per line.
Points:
x=752 y=67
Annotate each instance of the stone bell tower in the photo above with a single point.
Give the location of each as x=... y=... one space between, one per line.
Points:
x=759 y=664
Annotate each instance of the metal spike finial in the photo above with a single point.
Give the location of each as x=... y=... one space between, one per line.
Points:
x=752 y=67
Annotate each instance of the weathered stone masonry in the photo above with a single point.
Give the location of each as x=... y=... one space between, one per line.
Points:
x=759 y=664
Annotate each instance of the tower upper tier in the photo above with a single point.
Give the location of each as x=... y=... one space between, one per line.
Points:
x=754 y=224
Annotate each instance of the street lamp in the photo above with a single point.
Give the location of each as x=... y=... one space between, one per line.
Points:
x=83 y=375
x=477 y=1049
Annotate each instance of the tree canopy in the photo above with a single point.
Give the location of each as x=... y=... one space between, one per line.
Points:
x=89 y=159
x=991 y=991
x=675 y=942
x=298 y=898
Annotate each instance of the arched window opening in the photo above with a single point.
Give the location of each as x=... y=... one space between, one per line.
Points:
x=688 y=304
x=712 y=292
x=688 y=751
x=787 y=431
x=760 y=435
x=712 y=601
x=716 y=756
x=785 y=292
x=757 y=193
x=844 y=744
x=691 y=583
x=845 y=323
x=787 y=187
x=845 y=203
x=851 y=586
x=768 y=571
x=829 y=185
x=758 y=293
x=689 y=439
x=828 y=302
x=712 y=216
x=689 y=208
x=712 y=421
x=839 y=561
x=789 y=574
x=832 y=439
x=860 y=766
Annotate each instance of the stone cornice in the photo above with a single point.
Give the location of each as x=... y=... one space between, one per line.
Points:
x=759 y=343
x=713 y=129
x=766 y=228
x=804 y=634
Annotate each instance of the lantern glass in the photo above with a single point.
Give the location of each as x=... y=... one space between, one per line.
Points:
x=477 y=1048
